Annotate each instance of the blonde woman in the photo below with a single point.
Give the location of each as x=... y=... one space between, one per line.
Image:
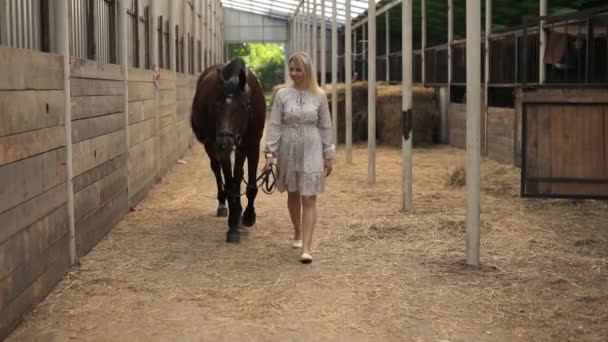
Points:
x=299 y=136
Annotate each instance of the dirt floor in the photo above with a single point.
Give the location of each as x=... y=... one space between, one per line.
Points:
x=165 y=272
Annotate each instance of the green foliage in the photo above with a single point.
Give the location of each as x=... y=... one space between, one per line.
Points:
x=266 y=60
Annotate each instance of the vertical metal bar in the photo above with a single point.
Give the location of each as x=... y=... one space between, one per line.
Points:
x=363 y=54
x=542 y=36
x=371 y=94
x=18 y=28
x=334 y=71
x=13 y=25
x=387 y=44
x=473 y=29
x=588 y=50
x=348 y=64
x=487 y=71
x=27 y=24
x=423 y=40
x=323 y=45
x=406 y=104
x=315 y=57
x=122 y=37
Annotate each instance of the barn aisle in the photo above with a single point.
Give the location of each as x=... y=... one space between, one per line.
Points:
x=165 y=272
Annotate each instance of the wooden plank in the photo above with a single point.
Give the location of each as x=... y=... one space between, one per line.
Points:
x=531 y=146
x=141 y=110
x=92 y=228
x=167 y=120
x=139 y=195
x=169 y=110
x=166 y=74
x=12 y=314
x=27 y=69
x=141 y=131
x=94 y=127
x=84 y=68
x=18 y=281
x=92 y=87
x=183 y=94
x=166 y=84
x=167 y=97
x=140 y=75
x=580 y=189
x=545 y=144
x=91 y=106
x=23 y=180
x=29 y=110
x=20 y=146
x=91 y=197
x=139 y=91
x=32 y=241
x=23 y=215
x=181 y=79
x=99 y=172
x=582 y=95
x=605 y=144
x=91 y=153
x=142 y=166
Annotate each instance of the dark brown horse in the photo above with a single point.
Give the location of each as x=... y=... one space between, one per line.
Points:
x=228 y=113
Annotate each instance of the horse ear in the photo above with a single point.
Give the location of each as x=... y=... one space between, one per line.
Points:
x=220 y=76
x=242 y=79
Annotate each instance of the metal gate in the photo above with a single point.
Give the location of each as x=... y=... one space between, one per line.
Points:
x=564 y=150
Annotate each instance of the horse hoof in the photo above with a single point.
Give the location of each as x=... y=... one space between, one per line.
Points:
x=233 y=238
x=222 y=212
x=248 y=219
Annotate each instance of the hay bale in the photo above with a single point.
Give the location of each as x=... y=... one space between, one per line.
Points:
x=457 y=177
x=388 y=114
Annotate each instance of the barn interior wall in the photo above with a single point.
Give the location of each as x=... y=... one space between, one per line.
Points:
x=114 y=163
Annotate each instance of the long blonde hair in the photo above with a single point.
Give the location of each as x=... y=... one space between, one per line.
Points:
x=310 y=77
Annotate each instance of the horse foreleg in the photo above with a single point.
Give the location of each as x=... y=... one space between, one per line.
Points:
x=222 y=211
x=234 y=197
x=249 y=215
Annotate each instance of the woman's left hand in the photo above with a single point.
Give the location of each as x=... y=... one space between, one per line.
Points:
x=328 y=167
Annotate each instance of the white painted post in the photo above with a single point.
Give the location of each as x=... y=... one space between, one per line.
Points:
x=387 y=44
x=315 y=57
x=543 y=43
x=487 y=72
x=172 y=50
x=348 y=66
x=355 y=50
x=124 y=61
x=334 y=71
x=209 y=37
x=196 y=64
x=184 y=32
x=371 y=94
x=63 y=47
x=423 y=40
x=473 y=23
x=308 y=28
x=154 y=60
x=363 y=60
x=406 y=104
x=323 y=45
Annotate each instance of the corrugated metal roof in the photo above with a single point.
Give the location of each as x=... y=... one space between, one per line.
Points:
x=286 y=9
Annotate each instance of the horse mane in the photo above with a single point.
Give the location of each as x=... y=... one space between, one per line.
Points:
x=231 y=72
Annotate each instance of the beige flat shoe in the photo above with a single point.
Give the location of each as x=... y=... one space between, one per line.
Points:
x=296 y=244
x=305 y=258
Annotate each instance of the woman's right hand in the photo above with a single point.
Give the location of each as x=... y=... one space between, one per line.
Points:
x=269 y=161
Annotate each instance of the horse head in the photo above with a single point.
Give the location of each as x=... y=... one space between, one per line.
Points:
x=233 y=109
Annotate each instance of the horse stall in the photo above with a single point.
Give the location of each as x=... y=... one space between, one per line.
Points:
x=114 y=165
x=563 y=142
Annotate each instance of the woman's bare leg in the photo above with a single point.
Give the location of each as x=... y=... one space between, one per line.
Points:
x=309 y=219
x=294 y=204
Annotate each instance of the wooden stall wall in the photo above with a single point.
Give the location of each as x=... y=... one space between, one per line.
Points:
x=501 y=131
x=99 y=150
x=142 y=134
x=34 y=233
x=184 y=103
x=167 y=120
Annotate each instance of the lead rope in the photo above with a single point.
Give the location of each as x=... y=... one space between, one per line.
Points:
x=268 y=178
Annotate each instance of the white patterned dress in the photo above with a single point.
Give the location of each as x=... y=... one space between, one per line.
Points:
x=299 y=135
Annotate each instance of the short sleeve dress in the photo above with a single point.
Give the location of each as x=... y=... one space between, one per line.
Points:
x=300 y=136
